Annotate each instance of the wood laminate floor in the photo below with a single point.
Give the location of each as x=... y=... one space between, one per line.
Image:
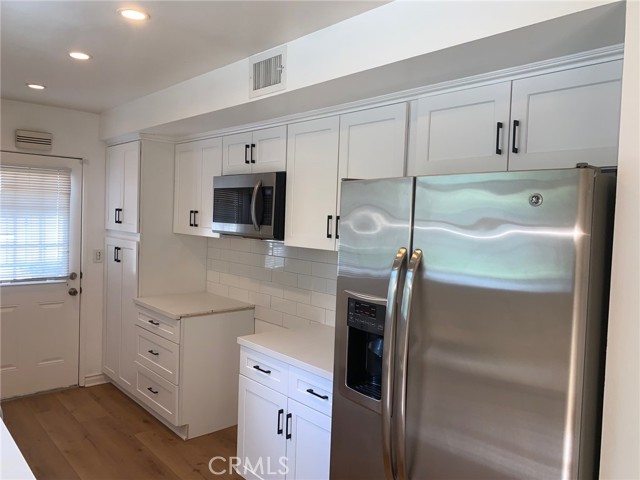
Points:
x=99 y=433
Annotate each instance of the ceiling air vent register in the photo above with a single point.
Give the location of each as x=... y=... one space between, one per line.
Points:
x=34 y=140
x=267 y=72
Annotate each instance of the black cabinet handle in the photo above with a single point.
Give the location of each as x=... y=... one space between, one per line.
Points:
x=288 y=434
x=246 y=154
x=157 y=353
x=338 y=227
x=257 y=367
x=253 y=146
x=155 y=392
x=195 y=220
x=116 y=254
x=498 y=143
x=516 y=124
x=117 y=215
x=323 y=397
x=329 y=219
x=153 y=323
x=191 y=218
x=280 y=413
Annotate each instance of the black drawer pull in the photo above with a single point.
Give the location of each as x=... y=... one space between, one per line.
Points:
x=323 y=397
x=153 y=353
x=153 y=323
x=288 y=434
x=280 y=413
x=516 y=124
x=498 y=143
x=257 y=367
x=155 y=392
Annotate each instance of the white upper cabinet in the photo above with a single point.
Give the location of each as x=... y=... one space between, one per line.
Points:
x=312 y=183
x=462 y=131
x=255 y=152
x=567 y=117
x=196 y=163
x=123 y=174
x=372 y=142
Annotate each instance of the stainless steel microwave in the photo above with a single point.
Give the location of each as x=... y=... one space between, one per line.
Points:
x=250 y=205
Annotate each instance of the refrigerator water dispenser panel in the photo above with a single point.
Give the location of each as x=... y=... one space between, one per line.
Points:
x=365 y=321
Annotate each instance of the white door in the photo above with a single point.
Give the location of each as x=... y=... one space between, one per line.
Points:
x=312 y=184
x=40 y=224
x=123 y=174
x=566 y=118
x=261 y=431
x=236 y=153
x=187 y=165
x=309 y=448
x=460 y=132
x=269 y=152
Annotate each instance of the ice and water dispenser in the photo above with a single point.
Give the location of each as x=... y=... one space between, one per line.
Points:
x=365 y=321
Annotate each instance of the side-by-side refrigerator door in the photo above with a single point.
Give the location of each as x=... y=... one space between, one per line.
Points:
x=496 y=335
x=375 y=236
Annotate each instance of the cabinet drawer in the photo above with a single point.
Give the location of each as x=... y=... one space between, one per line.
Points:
x=165 y=327
x=264 y=369
x=158 y=394
x=157 y=354
x=310 y=390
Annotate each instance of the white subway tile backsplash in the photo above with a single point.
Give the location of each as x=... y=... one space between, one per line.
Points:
x=309 y=312
x=268 y=315
x=291 y=321
x=284 y=306
x=323 y=300
x=297 y=266
x=289 y=286
x=297 y=295
x=324 y=270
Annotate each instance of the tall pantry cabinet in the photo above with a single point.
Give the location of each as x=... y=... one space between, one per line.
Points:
x=143 y=256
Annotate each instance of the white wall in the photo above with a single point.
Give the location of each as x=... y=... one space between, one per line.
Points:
x=620 y=458
x=390 y=33
x=290 y=286
x=75 y=134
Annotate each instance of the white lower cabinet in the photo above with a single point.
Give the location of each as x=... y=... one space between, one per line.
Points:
x=280 y=437
x=181 y=368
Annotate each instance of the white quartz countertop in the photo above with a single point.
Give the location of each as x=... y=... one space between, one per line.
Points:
x=191 y=304
x=309 y=348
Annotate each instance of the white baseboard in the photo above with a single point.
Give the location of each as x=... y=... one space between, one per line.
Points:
x=96 y=379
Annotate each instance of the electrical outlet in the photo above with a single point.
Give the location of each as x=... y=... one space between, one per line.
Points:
x=98 y=255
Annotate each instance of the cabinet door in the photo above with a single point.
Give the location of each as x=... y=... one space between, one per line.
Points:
x=312 y=183
x=270 y=151
x=566 y=118
x=460 y=132
x=261 y=431
x=113 y=311
x=129 y=217
x=372 y=142
x=235 y=153
x=114 y=187
x=129 y=313
x=309 y=447
x=187 y=166
x=211 y=166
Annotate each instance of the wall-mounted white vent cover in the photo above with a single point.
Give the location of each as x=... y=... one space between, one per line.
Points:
x=267 y=72
x=34 y=140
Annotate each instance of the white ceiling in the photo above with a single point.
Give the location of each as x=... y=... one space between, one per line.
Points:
x=182 y=39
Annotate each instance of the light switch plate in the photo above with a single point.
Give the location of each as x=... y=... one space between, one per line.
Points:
x=98 y=256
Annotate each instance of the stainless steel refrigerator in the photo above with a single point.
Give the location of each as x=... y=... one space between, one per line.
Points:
x=469 y=325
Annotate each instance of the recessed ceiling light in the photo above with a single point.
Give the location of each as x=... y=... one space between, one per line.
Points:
x=79 y=55
x=132 y=14
x=35 y=86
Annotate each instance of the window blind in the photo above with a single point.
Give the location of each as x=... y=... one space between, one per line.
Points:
x=34 y=223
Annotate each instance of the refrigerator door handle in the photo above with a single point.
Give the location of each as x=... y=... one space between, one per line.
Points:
x=388 y=353
x=403 y=355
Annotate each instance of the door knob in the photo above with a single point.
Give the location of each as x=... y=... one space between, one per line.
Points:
x=73 y=276
x=73 y=292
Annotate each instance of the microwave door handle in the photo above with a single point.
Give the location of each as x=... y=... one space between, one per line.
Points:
x=400 y=420
x=256 y=204
x=388 y=353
